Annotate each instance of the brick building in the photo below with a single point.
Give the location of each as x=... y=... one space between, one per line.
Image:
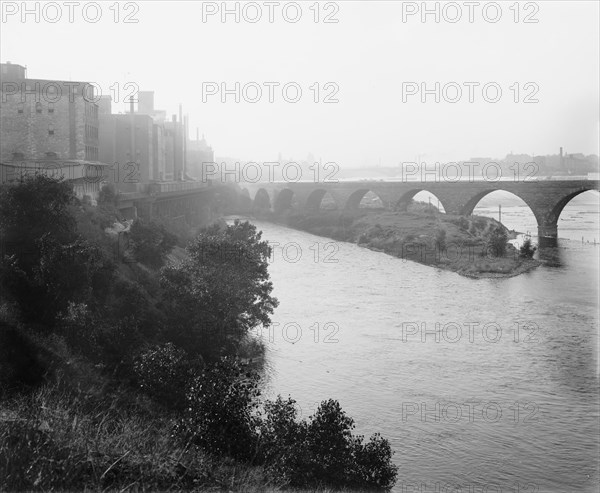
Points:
x=127 y=143
x=46 y=119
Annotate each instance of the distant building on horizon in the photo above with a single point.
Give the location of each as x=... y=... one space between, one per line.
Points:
x=199 y=154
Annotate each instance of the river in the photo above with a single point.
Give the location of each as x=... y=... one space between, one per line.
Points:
x=477 y=384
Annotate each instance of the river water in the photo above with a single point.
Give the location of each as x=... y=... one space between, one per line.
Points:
x=482 y=385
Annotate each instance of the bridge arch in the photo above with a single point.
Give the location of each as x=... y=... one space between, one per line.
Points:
x=406 y=198
x=468 y=208
x=283 y=201
x=356 y=197
x=262 y=199
x=315 y=199
x=563 y=202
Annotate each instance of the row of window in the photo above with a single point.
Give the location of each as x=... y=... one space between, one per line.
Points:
x=91 y=153
x=91 y=110
x=38 y=108
x=91 y=132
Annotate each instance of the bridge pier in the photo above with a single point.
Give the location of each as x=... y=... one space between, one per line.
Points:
x=547 y=234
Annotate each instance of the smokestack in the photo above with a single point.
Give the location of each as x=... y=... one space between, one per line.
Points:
x=562 y=161
x=185 y=141
x=197 y=134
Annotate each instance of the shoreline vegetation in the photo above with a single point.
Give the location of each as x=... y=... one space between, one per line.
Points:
x=122 y=349
x=420 y=234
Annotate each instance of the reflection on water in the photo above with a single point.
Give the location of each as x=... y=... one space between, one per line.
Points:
x=551 y=256
x=410 y=350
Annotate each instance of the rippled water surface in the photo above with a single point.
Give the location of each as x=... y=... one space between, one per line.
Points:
x=502 y=392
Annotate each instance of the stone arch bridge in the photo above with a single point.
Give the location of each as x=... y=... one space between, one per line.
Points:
x=546 y=198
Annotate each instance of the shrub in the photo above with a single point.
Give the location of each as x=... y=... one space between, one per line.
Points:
x=322 y=450
x=164 y=372
x=440 y=240
x=527 y=249
x=221 y=414
x=282 y=441
x=150 y=243
x=463 y=223
x=108 y=195
x=497 y=241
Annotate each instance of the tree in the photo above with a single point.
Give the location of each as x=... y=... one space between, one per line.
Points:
x=31 y=208
x=46 y=264
x=108 y=195
x=222 y=291
x=497 y=241
x=527 y=249
x=440 y=240
x=150 y=242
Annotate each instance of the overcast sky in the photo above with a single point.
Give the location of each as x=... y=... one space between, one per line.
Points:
x=368 y=54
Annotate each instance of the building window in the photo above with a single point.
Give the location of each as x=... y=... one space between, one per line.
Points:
x=20 y=108
x=50 y=129
x=50 y=107
x=38 y=107
x=18 y=156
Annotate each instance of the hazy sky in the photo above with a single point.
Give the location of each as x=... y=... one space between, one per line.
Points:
x=368 y=54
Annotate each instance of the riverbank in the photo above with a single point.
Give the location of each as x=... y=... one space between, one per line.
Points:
x=420 y=234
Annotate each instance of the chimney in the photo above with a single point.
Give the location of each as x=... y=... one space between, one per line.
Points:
x=185 y=141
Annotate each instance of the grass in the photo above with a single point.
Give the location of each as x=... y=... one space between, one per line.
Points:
x=54 y=439
x=103 y=438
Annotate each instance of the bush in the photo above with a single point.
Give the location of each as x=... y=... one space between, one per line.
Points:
x=221 y=414
x=527 y=249
x=322 y=450
x=150 y=243
x=164 y=373
x=223 y=417
x=497 y=241
x=463 y=223
x=108 y=195
x=440 y=240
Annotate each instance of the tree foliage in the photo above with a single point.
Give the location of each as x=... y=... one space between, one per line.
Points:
x=497 y=241
x=46 y=263
x=150 y=242
x=224 y=416
x=527 y=249
x=223 y=289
